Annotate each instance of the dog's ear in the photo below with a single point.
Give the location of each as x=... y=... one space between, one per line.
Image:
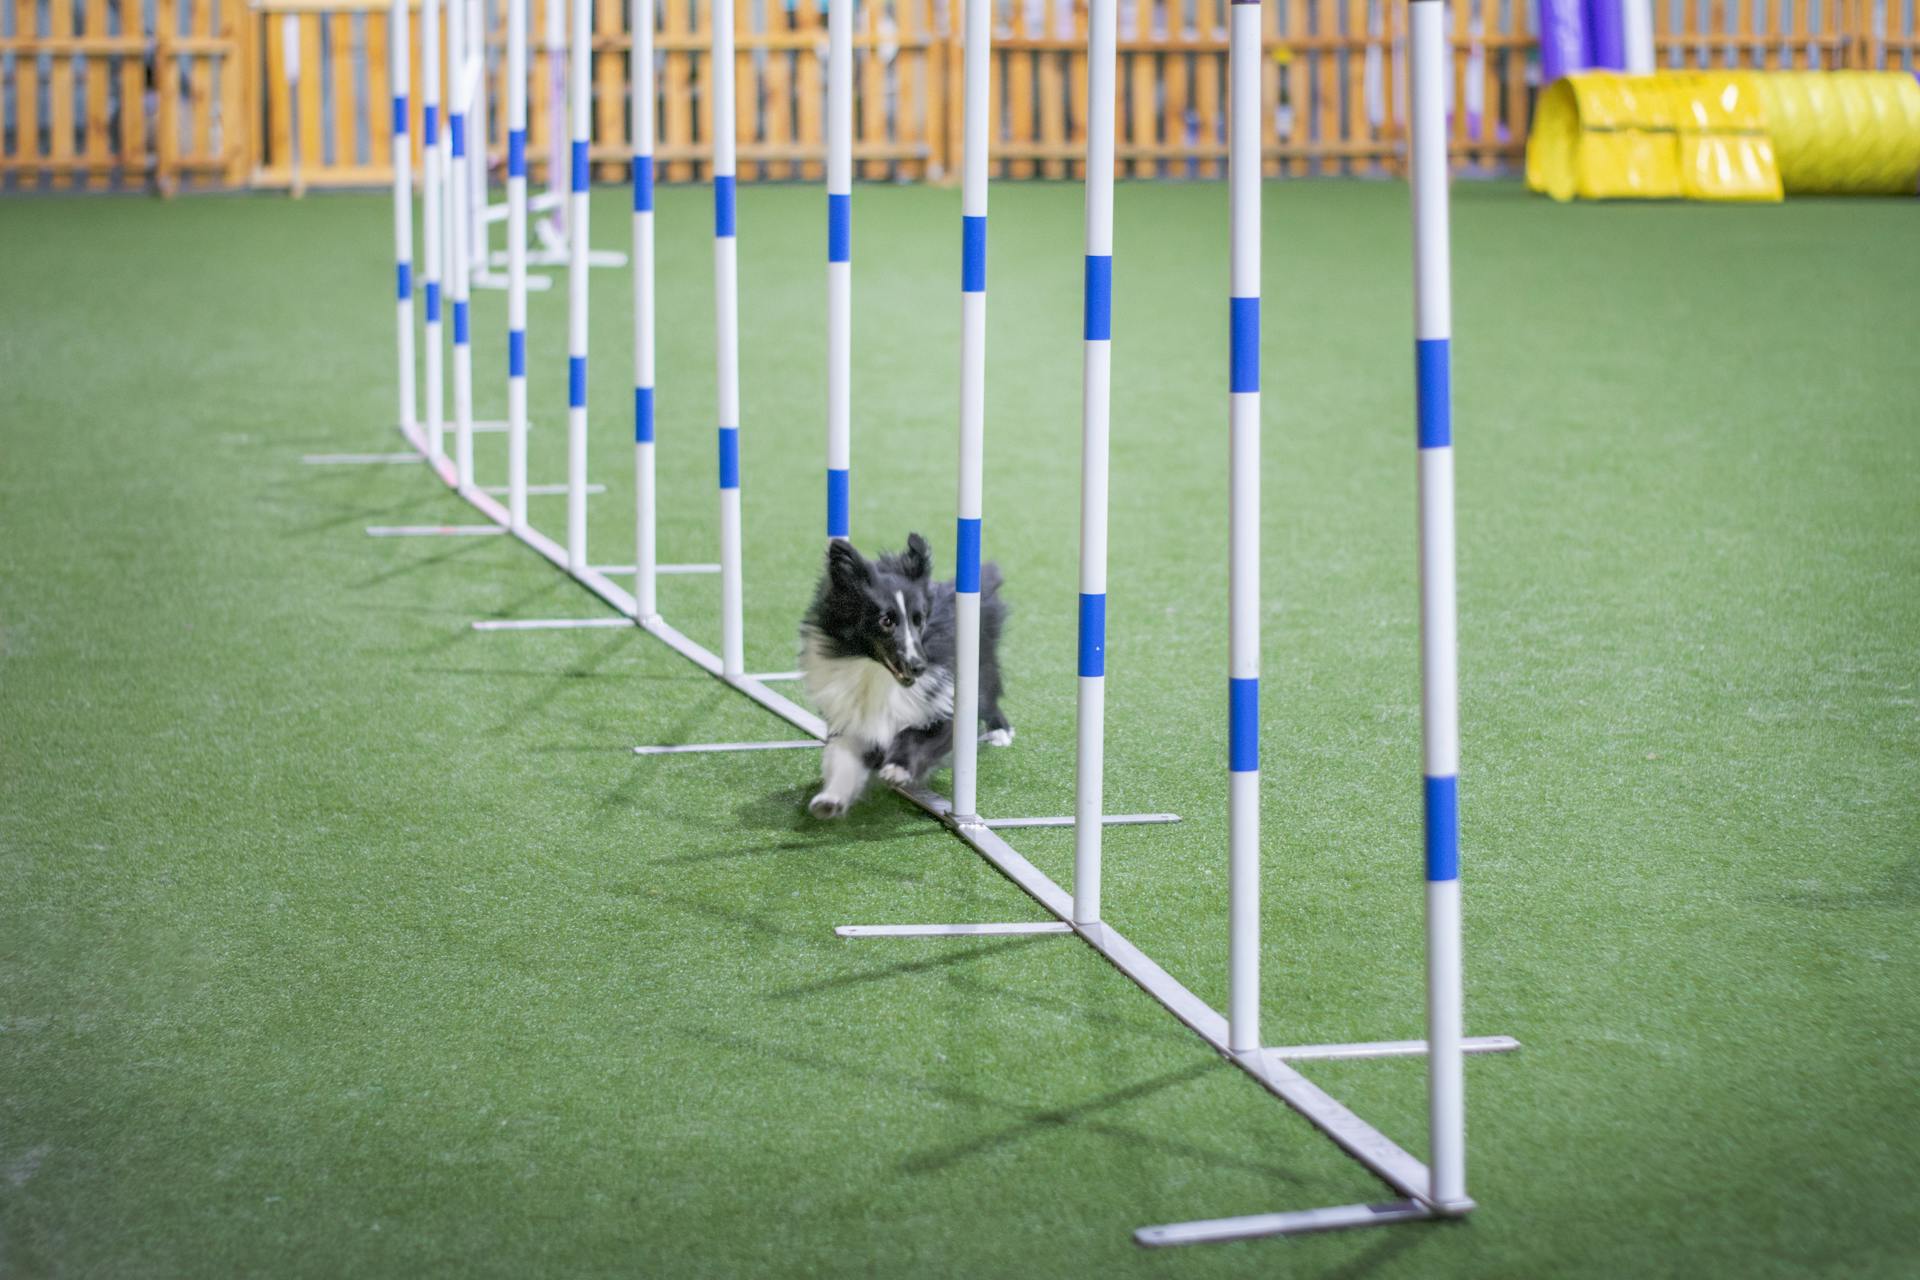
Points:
x=917 y=563
x=846 y=566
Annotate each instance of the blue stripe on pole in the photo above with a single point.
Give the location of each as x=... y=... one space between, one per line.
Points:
x=433 y=302
x=430 y=125
x=516 y=353
x=579 y=168
x=1099 y=297
x=403 y=280
x=576 y=382
x=1244 y=326
x=729 y=457
x=723 y=205
x=399 y=114
x=643 y=415
x=1093 y=634
x=516 y=153
x=459 y=323
x=966 y=564
x=1443 y=828
x=839 y=228
x=457 y=127
x=839 y=502
x=643 y=184
x=1243 y=725
x=973 y=254
x=1433 y=384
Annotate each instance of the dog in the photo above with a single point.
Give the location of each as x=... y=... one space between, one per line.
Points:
x=877 y=655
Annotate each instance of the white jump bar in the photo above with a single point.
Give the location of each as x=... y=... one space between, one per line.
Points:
x=1386 y=1049
x=630 y=570
x=951 y=930
x=1066 y=820
x=356 y=459
x=433 y=530
x=543 y=490
x=548 y=624
x=1299 y=1222
x=695 y=748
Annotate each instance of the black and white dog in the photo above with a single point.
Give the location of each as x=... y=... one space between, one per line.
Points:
x=877 y=651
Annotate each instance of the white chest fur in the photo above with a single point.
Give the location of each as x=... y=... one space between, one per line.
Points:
x=861 y=699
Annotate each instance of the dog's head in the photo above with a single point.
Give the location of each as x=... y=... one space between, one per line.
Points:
x=877 y=608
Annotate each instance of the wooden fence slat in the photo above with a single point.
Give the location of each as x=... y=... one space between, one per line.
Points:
x=610 y=83
x=309 y=90
x=343 y=102
x=379 y=111
x=98 y=148
x=26 y=94
x=870 y=93
x=60 y=91
x=131 y=110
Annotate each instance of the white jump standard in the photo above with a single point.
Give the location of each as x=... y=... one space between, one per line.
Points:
x=840 y=269
x=645 y=537
x=726 y=311
x=399 y=67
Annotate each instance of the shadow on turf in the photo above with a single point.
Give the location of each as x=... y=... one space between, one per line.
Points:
x=1028 y=1121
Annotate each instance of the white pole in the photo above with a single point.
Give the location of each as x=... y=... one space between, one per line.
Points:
x=459 y=84
x=1095 y=388
x=973 y=390
x=479 y=139
x=1439 y=680
x=556 y=111
x=433 y=161
x=1636 y=22
x=1243 y=571
x=727 y=335
x=840 y=268
x=400 y=67
x=640 y=75
x=579 y=94
x=516 y=264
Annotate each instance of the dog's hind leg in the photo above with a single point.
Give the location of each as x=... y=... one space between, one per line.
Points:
x=914 y=753
x=999 y=729
x=845 y=766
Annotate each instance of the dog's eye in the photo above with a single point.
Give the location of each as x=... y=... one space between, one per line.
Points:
x=886 y=622
x=916 y=619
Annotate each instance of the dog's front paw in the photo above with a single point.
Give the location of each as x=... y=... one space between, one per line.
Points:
x=1000 y=737
x=827 y=806
x=894 y=776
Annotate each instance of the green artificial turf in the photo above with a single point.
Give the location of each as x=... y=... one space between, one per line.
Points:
x=338 y=939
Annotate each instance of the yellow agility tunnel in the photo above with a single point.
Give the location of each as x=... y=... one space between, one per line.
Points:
x=1726 y=135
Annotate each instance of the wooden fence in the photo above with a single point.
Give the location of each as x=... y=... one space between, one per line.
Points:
x=291 y=93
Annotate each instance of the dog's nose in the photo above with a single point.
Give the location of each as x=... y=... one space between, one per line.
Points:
x=916 y=666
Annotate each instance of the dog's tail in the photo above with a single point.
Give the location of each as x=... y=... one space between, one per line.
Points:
x=990 y=579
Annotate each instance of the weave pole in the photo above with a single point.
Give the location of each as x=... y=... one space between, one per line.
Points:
x=726 y=310
x=645 y=547
x=433 y=163
x=579 y=95
x=479 y=134
x=1439 y=673
x=399 y=68
x=1243 y=515
x=517 y=263
x=554 y=228
x=460 y=88
x=840 y=268
x=1095 y=400
x=973 y=417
